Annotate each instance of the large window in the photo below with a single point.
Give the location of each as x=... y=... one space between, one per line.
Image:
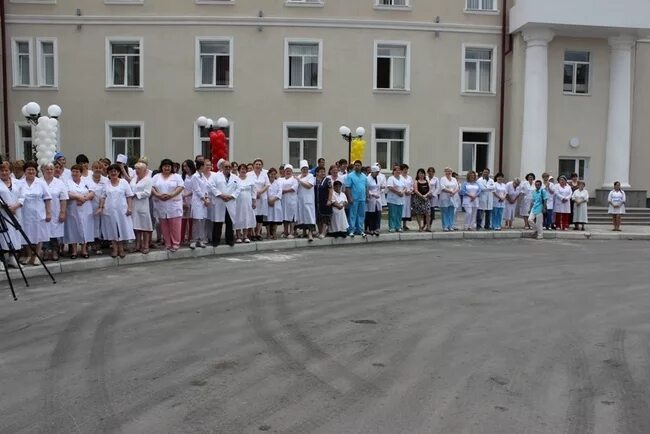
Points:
x=202 y=145
x=305 y=2
x=125 y=138
x=24 y=145
x=302 y=142
x=303 y=64
x=392 y=3
x=475 y=150
x=569 y=165
x=392 y=65
x=124 y=62
x=47 y=62
x=22 y=62
x=214 y=62
x=479 y=69
x=576 y=72
x=390 y=146
x=481 y=5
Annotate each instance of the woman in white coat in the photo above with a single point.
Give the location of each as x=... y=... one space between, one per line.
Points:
x=512 y=196
x=289 y=200
x=373 y=203
x=434 y=188
x=259 y=177
x=448 y=189
x=141 y=185
x=244 y=221
x=409 y=184
x=13 y=240
x=167 y=188
x=274 y=215
x=97 y=183
x=616 y=201
x=339 y=221
x=471 y=192
x=526 y=189
x=200 y=203
x=59 y=192
x=562 y=204
x=117 y=206
x=80 y=222
x=35 y=200
x=580 y=199
x=306 y=216
x=499 y=201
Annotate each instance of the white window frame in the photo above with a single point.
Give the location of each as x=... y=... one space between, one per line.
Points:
x=285 y=138
x=373 y=147
x=37 y=2
x=491 y=131
x=231 y=139
x=214 y=2
x=18 y=138
x=40 y=78
x=407 y=66
x=305 y=3
x=319 y=85
x=576 y=167
x=109 y=62
x=575 y=72
x=124 y=2
x=481 y=10
x=197 y=63
x=393 y=7
x=14 y=57
x=108 y=148
x=493 y=73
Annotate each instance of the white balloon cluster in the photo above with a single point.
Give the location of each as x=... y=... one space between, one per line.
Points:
x=46 y=139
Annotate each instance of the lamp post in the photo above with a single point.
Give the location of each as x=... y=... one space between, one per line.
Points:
x=348 y=137
x=46 y=139
x=218 y=140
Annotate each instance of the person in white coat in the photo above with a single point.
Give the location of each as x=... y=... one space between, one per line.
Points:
x=580 y=202
x=448 y=189
x=562 y=204
x=245 y=222
x=12 y=240
x=35 y=200
x=96 y=181
x=374 y=200
x=117 y=206
x=289 y=200
x=434 y=187
x=549 y=186
x=80 y=222
x=409 y=184
x=274 y=216
x=616 y=201
x=167 y=188
x=512 y=197
x=395 y=197
x=260 y=179
x=224 y=190
x=59 y=192
x=141 y=185
x=470 y=191
x=339 y=223
x=306 y=215
x=485 y=201
x=188 y=169
x=200 y=203
x=526 y=189
x=498 y=201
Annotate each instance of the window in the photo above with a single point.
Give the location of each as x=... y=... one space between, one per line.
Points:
x=576 y=72
x=302 y=142
x=569 y=165
x=303 y=64
x=481 y=5
x=22 y=66
x=479 y=73
x=202 y=141
x=392 y=65
x=24 y=146
x=124 y=63
x=304 y=2
x=392 y=3
x=47 y=62
x=124 y=138
x=476 y=150
x=389 y=145
x=214 y=62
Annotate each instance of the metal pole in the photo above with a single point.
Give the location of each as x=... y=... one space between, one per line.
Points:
x=349 y=137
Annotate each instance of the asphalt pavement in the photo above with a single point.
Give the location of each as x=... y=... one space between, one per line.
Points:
x=467 y=336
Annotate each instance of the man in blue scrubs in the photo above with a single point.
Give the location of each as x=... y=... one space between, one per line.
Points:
x=356 y=184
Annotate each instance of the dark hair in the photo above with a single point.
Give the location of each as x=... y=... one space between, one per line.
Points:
x=539 y=180
x=357 y=161
x=337 y=183
x=81 y=158
x=499 y=174
x=321 y=159
x=29 y=164
x=431 y=168
x=193 y=168
x=166 y=162
x=574 y=175
x=258 y=159
x=615 y=182
x=454 y=174
x=319 y=168
x=420 y=170
x=272 y=170
x=404 y=166
x=78 y=167
x=114 y=166
x=529 y=175
x=343 y=161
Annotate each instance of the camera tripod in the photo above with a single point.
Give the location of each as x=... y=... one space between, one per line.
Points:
x=7 y=219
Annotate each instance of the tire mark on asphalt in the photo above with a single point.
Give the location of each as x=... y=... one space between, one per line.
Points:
x=580 y=413
x=634 y=413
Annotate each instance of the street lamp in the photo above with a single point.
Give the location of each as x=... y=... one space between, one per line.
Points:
x=46 y=137
x=348 y=137
x=32 y=112
x=218 y=140
x=208 y=123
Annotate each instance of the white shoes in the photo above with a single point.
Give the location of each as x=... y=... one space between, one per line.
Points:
x=192 y=245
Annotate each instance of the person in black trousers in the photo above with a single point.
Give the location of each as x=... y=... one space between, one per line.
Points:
x=217 y=229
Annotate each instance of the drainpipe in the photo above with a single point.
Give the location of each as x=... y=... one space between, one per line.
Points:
x=502 y=103
x=3 y=64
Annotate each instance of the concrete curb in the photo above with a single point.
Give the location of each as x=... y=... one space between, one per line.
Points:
x=99 y=262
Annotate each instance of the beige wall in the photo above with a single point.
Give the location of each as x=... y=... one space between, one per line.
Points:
x=640 y=157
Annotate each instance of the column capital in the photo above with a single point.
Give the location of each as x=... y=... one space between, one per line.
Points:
x=538 y=36
x=622 y=42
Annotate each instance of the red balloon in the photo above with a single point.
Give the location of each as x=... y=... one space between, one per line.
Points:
x=218 y=146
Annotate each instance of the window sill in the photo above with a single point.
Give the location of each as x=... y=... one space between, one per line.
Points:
x=213 y=89
x=482 y=12
x=575 y=94
x=36 y=88
x=303 y=89
x=215 y=2
x=124 y=2
x=125 y=89
x=470 y=93
x=304 y=5
x=393 y=8
x=393 y=91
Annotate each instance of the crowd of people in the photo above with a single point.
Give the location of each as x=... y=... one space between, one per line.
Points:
x=91 y=207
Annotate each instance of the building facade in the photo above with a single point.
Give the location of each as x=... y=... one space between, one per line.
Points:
x=422 y=77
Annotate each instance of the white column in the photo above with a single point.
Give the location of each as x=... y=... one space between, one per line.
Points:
x=619 y=124
x=535 y=127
